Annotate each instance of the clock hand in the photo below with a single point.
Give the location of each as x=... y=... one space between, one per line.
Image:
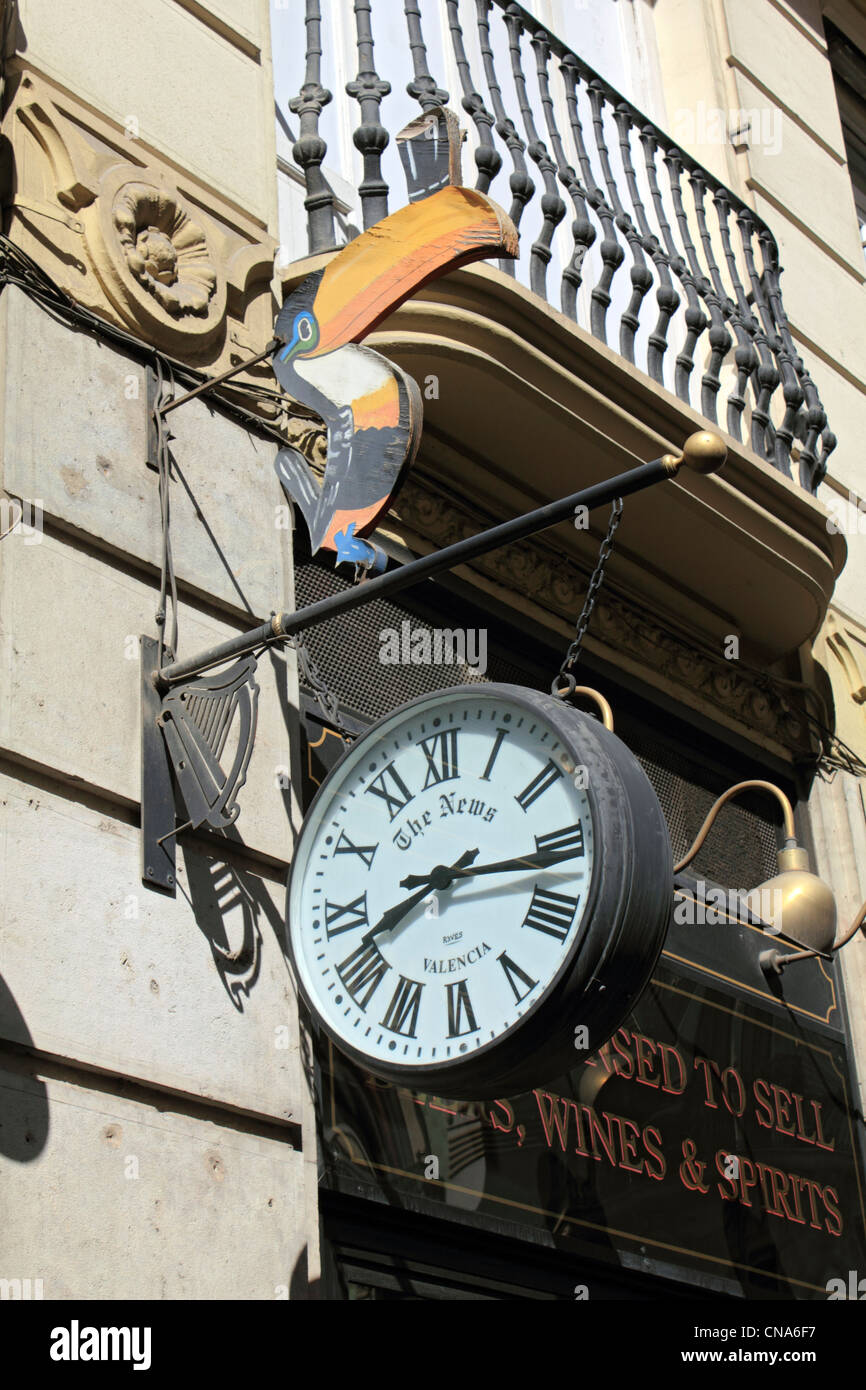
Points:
x=542 y=859
x=440 y=877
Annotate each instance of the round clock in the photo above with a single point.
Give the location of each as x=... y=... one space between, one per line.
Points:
x=480 y=892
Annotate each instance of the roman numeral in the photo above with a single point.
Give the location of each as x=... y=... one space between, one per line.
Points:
x=460 y=1009
x=494 y=753
x=354 y=912
x=549 y=774
x=550 y=912
x=568 y=842
x=512 y=973
x=399 y=794
x=441 y=754
x=344 y=846
x=402 y=1013
x=362 y=972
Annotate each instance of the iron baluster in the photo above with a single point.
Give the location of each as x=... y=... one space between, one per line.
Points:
x=423 y=87
x=746 y=355
x=810 y=424
x=751 y=356
x=488 y=160
x=688 y=271
x=552 y=206
x=309 y=149
x=792 y=391
x=666 y=296
x=612 y=253
x=582 y=230
x=770 y=372
x=371 y=138
x=641 y=278
x=520 y=180
x=719 y=305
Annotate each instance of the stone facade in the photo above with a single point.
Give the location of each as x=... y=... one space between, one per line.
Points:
x=154 y=1095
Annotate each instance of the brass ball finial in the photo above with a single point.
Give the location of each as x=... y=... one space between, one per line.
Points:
x=704 y=452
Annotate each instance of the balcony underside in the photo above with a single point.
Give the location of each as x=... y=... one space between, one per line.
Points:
x=531 y=407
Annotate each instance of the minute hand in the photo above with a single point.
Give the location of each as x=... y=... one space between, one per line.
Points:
x=541 y=859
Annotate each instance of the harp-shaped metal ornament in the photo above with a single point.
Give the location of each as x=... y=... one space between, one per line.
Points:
x=196 y=719
x=187 y=732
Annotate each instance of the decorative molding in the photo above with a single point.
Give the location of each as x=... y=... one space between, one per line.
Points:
x=165 y=249
x=126 y=235
x=847 y=642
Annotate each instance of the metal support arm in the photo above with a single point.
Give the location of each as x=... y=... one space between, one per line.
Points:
x=703 y=452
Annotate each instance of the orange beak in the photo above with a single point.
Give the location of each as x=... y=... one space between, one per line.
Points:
x=380 y=269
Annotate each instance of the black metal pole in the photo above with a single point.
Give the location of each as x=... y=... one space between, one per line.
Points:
x=224 y=376
x=286 y=624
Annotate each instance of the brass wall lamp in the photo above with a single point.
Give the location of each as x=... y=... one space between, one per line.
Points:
x=802 y=907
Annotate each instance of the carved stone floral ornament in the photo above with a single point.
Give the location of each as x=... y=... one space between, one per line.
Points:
x=166 y=250
x=115 y=228
x=154 y=256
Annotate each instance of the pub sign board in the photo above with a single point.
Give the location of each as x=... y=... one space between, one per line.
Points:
x=712 y=1139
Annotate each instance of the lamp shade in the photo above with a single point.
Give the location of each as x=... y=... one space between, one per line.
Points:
x=796 y=902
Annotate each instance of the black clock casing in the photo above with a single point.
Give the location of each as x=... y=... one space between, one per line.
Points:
x=625 y=914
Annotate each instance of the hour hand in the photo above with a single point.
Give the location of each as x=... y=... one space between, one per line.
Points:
x=441 y=877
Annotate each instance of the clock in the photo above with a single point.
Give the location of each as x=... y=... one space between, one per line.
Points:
x=479 y=892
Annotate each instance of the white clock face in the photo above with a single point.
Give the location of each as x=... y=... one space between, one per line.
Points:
x=411 y=941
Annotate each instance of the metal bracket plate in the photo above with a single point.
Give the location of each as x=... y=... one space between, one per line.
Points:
x=157 y=790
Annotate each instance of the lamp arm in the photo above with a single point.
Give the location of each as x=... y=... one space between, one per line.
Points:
x=858 y=922
x=570 y=689
x=704 y=831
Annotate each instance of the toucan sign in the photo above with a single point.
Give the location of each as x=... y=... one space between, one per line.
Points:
x=371 y=408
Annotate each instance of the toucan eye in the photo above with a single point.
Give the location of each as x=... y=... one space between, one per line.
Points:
x=305 y=329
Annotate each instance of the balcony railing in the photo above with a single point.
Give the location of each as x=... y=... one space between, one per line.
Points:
x=659 y=258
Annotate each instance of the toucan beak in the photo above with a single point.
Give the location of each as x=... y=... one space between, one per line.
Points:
x=380 y=269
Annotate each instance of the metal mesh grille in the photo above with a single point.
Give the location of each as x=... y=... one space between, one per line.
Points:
x=346 y=651
x=741 y=849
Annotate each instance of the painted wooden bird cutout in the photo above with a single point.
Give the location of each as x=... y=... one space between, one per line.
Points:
x=372 y=409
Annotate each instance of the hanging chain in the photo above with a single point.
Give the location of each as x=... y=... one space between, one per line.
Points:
x=572 y=656
x=327 y=701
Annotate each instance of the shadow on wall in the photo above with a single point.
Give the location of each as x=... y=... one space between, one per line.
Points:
x=24 y=1119
x=230 y=905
